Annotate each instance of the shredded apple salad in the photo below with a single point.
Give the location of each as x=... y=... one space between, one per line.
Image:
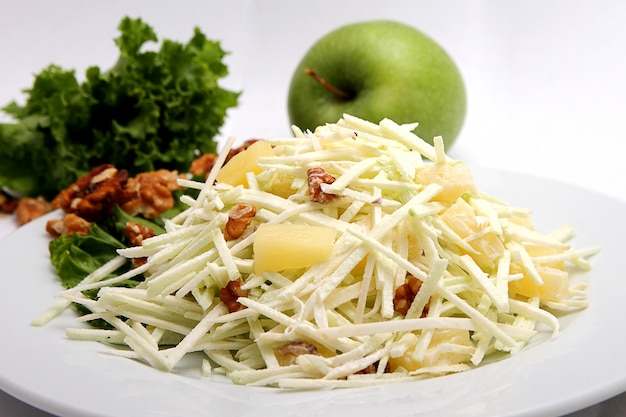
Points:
x=356 y=254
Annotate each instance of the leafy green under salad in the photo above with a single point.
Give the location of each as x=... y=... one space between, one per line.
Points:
x=76 y=256
x=153 y=109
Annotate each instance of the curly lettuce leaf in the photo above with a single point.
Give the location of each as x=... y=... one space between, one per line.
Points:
x=120 y=218
x=74 y=257
x=153 y=109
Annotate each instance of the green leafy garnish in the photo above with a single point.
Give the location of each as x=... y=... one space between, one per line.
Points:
x=115 y=224
x=74 y=256
x=153 y=109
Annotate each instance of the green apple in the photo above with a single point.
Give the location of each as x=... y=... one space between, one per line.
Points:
x=379 y=69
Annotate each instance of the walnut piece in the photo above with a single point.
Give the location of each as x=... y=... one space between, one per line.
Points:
x=239 y=218
x=231 y=292
x=373 y=368
x=136 y=233
x=28 y=209
x=203 y=164
x=316 y=177
x=405 y=294
x=149 y=193
x=94 y=195
x=289 y=352
x=69 y=224
x=8 y=204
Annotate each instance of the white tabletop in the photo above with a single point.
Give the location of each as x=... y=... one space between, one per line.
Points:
x=545 y=79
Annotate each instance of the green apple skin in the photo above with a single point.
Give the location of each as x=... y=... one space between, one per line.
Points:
x=390 y=70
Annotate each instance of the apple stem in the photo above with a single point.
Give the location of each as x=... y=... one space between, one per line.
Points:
x=326 y=84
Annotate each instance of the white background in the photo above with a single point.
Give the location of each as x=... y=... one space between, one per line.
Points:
x=546 y=80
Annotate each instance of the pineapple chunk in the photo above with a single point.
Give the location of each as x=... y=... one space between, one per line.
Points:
x=542 y=250
x=461 y=218
x=234 y=172
x=281 y=185
x=455 y=178
x=522 y=221
x=555 y=283
x=436 y=354
x=278 y=247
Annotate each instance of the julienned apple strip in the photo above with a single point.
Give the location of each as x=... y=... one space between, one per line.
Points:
x=330 y=314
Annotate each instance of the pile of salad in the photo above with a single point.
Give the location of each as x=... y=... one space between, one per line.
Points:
x=355 y=254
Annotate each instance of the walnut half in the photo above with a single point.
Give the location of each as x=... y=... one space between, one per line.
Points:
x=135 y=234
x=8 y=204
x=29 y=209
x=94 y=195
x=231 y=292
x=69 y=224
x=316 y=177
x=288 y=353
x=239 y=218
x=149 y=193
x=405 y=294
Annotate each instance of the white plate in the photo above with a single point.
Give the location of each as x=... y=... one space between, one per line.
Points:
x=7 y=224
x=583 y=366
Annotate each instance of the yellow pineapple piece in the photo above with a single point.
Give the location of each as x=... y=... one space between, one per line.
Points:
x=522 y=221
x=461 y=218
x=234 y=172
x=415 y=252
x=436 y=354
x=281 y=185
x=455 y=178
x=278 y=247
x=542 y=250
x=359 y=269
x=489 y=249
x=555 y=283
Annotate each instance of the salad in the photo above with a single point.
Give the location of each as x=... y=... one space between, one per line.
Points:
x=355 y=254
